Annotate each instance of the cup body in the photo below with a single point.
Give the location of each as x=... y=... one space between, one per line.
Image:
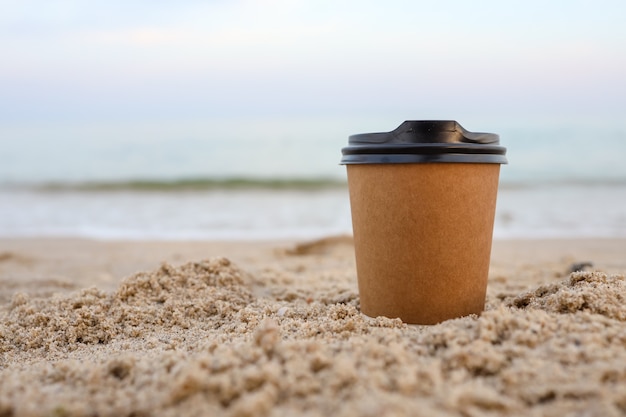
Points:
x=422 y=235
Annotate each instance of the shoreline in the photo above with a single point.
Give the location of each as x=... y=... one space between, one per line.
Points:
x=521 y=213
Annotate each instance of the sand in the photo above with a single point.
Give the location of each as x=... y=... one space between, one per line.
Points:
x=274 y=328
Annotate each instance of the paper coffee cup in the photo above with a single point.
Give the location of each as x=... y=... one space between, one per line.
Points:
x=423 y=200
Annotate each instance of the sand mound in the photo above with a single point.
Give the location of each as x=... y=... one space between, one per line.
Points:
x=199 y=339
x=165 y=298
x=592 y=292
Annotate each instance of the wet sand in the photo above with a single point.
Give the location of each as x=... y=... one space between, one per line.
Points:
x=273 y=328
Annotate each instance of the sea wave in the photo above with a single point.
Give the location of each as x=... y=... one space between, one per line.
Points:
x=515 y=184
x=278 y=183
x=185 y=184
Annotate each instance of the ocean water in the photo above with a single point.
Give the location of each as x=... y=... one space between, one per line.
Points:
x=555 y=210
x=559 y=182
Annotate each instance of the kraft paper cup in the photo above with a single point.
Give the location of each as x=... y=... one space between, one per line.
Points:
x=423 y=201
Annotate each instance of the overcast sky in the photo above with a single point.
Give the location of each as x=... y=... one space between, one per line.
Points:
x=118 y=60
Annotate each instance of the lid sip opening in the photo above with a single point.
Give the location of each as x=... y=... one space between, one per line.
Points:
x=423 y=141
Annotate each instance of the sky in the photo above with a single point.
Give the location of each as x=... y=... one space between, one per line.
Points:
x=133 y=70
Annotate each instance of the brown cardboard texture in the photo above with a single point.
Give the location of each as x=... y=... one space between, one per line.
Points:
x=422 y=235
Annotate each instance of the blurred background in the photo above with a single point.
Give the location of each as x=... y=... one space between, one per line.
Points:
x=225 y=119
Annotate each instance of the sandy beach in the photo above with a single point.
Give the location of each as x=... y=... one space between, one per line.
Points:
x=138 y=328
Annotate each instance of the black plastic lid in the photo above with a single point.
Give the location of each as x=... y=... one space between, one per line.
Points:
x=419 y=141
